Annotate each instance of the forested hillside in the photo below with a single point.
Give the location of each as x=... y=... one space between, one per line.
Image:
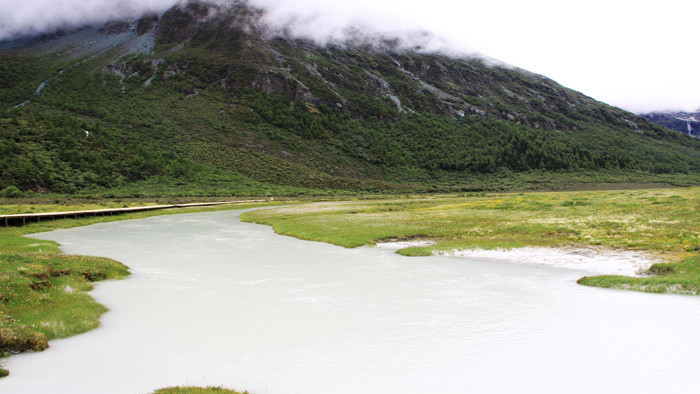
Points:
x=205 y=100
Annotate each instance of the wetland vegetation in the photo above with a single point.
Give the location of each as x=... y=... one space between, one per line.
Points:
x=663 y=221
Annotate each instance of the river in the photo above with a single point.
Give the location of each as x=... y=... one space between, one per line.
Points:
x=213 y=301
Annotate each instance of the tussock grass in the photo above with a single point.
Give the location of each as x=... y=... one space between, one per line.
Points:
x=682 y=277
x=663 y=221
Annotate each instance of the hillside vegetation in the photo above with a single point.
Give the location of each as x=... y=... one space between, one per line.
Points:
x=216 y=105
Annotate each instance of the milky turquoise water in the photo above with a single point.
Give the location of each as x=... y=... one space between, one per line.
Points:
x=213 y=301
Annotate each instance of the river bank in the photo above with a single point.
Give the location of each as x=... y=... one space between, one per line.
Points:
x=638 y=222
x=44 y=292
x=212 y=301
x=660 y=224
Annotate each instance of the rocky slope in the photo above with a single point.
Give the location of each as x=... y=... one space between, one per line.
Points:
x=208 y=95
x=684 y=122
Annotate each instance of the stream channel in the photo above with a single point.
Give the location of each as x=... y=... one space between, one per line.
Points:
x=213 y=301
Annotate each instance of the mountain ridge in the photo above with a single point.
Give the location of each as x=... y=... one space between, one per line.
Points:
x=684 y=122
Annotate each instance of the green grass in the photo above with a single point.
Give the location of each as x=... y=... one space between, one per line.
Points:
x=43 y=293
x=44 y=296
x=681 y=277
x=664 y=222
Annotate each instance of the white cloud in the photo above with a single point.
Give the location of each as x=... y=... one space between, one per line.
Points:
x=638 y=55
x=37 y=16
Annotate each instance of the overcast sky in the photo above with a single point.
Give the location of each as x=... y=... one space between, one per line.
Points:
x=638 y=55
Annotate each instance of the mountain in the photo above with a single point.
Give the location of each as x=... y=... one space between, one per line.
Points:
x=206 y=99
x=684 y=122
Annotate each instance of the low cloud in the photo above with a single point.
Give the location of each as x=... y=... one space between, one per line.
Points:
x=42 y=16
x=357 y=22
x=317 y=20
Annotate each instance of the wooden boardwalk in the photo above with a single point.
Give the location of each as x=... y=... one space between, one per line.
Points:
x=24 y=218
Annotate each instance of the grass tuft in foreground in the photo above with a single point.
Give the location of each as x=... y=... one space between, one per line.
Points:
x=678 y=278
x=43 y=295
x=665 y=222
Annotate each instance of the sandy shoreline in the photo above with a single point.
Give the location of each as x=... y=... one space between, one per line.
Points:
x=597 y=260
x=396 y=245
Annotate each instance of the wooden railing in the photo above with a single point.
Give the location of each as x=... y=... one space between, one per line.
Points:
x=24 y=218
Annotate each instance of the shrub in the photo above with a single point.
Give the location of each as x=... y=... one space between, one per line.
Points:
x=11 y=192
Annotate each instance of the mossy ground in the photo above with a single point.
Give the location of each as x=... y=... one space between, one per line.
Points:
x=663 y=221
x=43 y=293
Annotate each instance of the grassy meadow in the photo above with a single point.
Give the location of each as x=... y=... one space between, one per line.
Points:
x=665 y=222
x=43 y=292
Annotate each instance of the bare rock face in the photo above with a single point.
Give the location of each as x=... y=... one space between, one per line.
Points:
x=146 y=24
x=115 y=27
x=683 y=122
x=181 y=22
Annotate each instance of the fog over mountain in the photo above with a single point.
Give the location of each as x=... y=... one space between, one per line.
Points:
x=41 y=16
x=636 y=56
x=319 y=21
